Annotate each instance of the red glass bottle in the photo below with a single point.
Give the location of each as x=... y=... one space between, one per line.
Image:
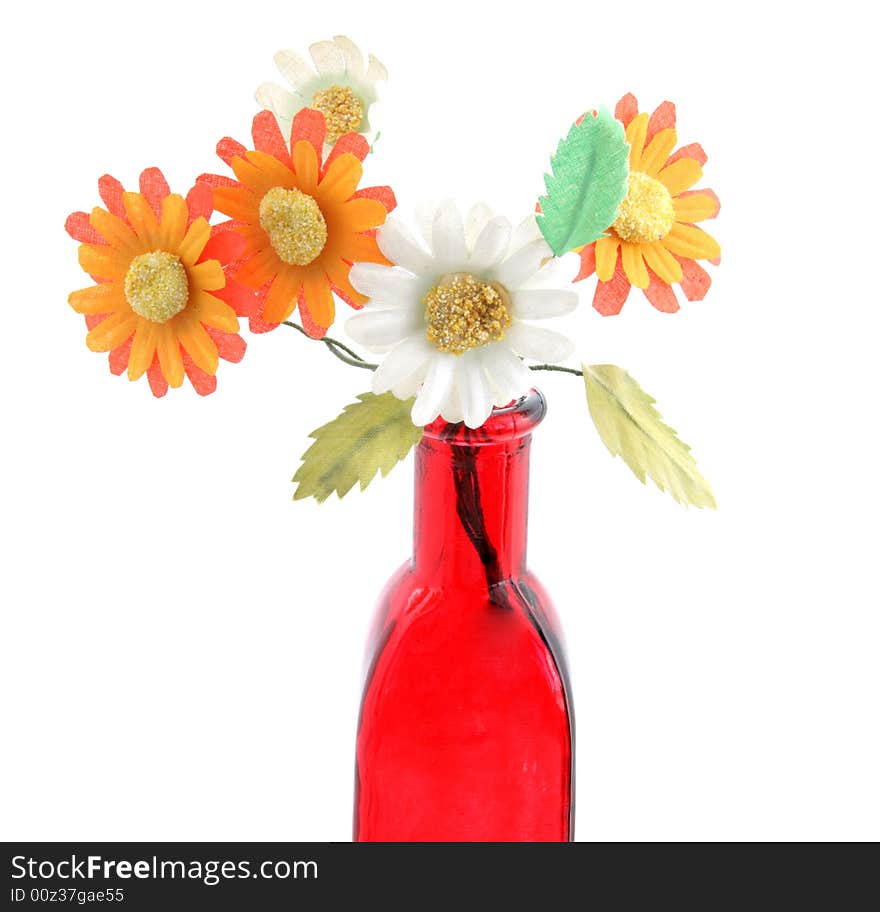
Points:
x=466 y=726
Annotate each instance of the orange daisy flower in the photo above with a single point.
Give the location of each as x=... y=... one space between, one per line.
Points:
x=304 y=220
x=654 y=242
x=162 y=305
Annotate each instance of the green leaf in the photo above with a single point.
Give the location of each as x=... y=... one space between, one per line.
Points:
x=587 y=183
x=631 y=428
x=374 y=433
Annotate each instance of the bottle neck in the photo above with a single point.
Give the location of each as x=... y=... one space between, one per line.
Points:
x=471 y=499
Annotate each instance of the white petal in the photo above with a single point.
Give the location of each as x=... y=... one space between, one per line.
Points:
x=434 y=390
x=390 y=285
x=509 y=377
x=403 y=362
x=538 y=343
x=293 y=68
x=399 y=246
x=524 y=233
x=557 y=273
x=473 y=389
x=451 y=409
x=448 y=238
x=377 y=329
x=351 y=54
x=425 y=212
x=409 y=386
x=541 y=303
x=491 y=245
x=520 y=267
x=328 y=58
x=376 y=71
x=476 y=221
x=279 y=101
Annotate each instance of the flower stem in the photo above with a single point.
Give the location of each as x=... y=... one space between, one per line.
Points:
x=349 y=356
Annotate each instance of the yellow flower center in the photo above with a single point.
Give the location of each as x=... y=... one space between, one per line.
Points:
x=342 y=110
x=464 y=313
x=295 y=225
x=647 y=213
x=156 y=286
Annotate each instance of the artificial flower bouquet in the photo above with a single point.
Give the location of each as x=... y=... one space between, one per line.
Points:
x=451 y=310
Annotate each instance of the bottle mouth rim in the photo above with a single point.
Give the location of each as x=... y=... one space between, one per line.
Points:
x=508 y=422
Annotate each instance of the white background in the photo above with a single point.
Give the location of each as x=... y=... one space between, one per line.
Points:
x=182 y=643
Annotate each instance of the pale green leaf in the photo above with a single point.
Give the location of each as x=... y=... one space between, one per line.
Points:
x=587 y=183
x=370 y=435
x=632 y=428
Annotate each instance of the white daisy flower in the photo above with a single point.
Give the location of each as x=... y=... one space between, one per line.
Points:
x=453 y=312
x=342 y=89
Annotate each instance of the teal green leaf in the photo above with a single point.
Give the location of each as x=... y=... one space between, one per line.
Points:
x=370 y=435
x=630 y=427
x=587 y=183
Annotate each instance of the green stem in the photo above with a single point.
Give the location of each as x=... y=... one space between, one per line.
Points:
x=349 y=356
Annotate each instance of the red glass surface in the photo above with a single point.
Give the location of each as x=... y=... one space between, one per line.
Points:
x=466 y=722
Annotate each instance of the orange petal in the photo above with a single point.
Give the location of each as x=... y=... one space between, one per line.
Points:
x=635 y=136
x=634 y=265
x=250 y=175
x=259 y=269
x=663 y=118
x=662 y=262
x=275 y=173
x=213 y=312
x=116 y=232
x=661 y=296
x=362 y=248
x=207 y=276
x=606 y=256
x=340 y=180
x=168 y=352
x=193 y=244
x=142 y=349
x=154 y=188
x=105 y=298
x=172 y=226
x=305 y=165
x=281 y=300
x=316 y=305
x=361 y=214
x=237 y=202
x=627 y=108
x=267 y=137
x=697 y=205
x=691 y=242
x=103 y=261
x=113 y=331
x=680 y=175
x=338 y=272
x=196 y=342
x=657 y=151
x=142 y=218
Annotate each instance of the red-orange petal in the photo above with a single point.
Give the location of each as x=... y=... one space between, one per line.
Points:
x=663 y=118
x=217 y=180
x=228 y=148
x=230 y=346
x=267 y=138
x=610 y=296
x=352 y=143
x=626 y=109
x=309 y=126
x=200 y=203
x=118 y=358
x=661 y=295
x=588 y=262
x=385 y=195
x=157 y=381
x=80 y=229
x=695 y=280
x=693 y=150
x=154 y=188
x=111 y=193
x=203 y=383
